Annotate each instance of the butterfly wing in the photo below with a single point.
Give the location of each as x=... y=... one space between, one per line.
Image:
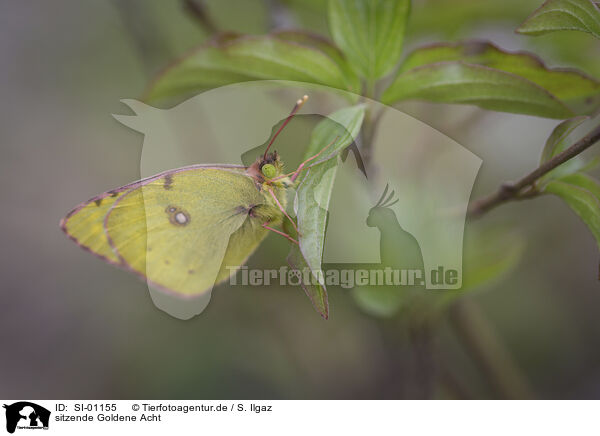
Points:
x=175 y=230
x=85 y=224
x=179 y=230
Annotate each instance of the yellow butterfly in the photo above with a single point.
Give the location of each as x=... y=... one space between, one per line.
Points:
x=182 y=230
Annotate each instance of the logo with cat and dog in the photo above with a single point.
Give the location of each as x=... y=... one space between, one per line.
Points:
x=25 y=415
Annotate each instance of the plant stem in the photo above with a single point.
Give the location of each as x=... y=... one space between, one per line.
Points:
x=197 y=9
x=488 y=352
x=525 y=187
x=367 y=134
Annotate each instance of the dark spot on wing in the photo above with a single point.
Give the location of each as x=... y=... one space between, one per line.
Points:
x=98 y=201
x=168 y=182
x=167 y=262
x=113 y=193
x=191 y=271
x=177 y=216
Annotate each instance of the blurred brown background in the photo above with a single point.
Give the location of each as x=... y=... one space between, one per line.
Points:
x=74 y=327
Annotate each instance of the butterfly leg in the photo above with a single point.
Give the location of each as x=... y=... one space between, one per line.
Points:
x=285 y=235
x=281 y=208
x=296 y=173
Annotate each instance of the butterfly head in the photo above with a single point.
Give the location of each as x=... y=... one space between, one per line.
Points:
x=270 y=166
x=266 y=169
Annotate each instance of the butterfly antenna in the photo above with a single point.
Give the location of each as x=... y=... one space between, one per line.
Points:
x=297 y=107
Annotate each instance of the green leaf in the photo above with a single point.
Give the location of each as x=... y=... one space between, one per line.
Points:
x=315 y=290
x=590 y=164
x=578 y=91
x=582 y=193
x=326 y=46
x=452 y=18
x=314 y=190
x=554 y=15
x=312 y=201
x=341 y=126
x=556 y=142
x=584 y=181
x=370 y=33
x=234 y=59
x=488 y=88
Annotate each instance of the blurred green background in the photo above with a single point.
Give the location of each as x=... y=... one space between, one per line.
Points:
x=74 y=327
